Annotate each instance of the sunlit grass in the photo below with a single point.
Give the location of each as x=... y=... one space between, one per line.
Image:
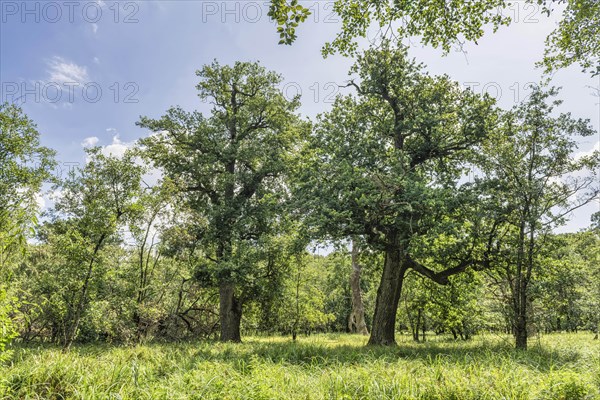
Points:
x=334 y=366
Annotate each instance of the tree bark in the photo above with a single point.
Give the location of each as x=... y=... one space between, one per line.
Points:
x=230 y=313
x=415 y=328
x=388 y=295
x=454 y=333
x=521 y=333
x=521 y=322
x=357 y=317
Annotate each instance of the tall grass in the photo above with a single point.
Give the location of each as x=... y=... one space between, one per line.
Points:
x=561 y=366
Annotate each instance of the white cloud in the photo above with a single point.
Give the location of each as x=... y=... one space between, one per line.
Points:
x=95 y=28
x=96 y=60
x=63 y=71
x=90 y=141
x=117 y=148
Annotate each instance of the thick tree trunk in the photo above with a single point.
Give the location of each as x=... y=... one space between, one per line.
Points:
x=230 y=313
x=388 y=295
x=521 y=334
x=357 y=318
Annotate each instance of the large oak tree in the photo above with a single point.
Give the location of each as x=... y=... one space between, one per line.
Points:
x=396 y=150
x=229 y=166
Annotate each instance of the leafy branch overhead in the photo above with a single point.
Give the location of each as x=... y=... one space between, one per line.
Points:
x=288 y=16
x=449 y=23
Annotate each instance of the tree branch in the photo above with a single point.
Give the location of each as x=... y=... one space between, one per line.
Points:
x=438 y=277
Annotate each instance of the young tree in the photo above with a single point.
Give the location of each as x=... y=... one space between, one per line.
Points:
x=593 y=258
x=94 y=202
x=590 y=253
x=558 y=284
x=145 y=226
x=530 y=164
x=385 y=164
x=229 y=168
x=302 y=304
x=24 y=166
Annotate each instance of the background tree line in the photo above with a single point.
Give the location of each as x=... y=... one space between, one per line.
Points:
x=220 y=244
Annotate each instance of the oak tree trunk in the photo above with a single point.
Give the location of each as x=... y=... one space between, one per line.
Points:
x=388 y=295
x=230 y=313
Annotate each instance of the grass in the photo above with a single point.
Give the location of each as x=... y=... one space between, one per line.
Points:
x=333 y=366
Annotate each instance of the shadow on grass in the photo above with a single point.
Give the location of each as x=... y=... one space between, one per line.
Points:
x=324 y=352
x=459 y=354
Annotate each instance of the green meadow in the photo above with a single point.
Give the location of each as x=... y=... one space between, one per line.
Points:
x=327 y=366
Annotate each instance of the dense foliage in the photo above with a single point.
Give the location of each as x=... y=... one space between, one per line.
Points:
x=221 y=244
x=25 y=164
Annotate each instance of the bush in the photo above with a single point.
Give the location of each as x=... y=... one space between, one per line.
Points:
x=7 y=327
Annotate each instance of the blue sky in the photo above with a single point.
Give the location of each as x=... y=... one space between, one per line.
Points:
x=142 y=56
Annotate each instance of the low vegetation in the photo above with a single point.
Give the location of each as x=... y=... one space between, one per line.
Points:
x=326 y=366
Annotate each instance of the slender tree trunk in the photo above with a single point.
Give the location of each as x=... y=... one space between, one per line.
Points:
x=521 y=313
x=388 y=295
x=417 y=326
x=519 y=290
x=71 y=332
x=357 y=318
x=297 y=318
x=230 y=313
x=72 y=329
